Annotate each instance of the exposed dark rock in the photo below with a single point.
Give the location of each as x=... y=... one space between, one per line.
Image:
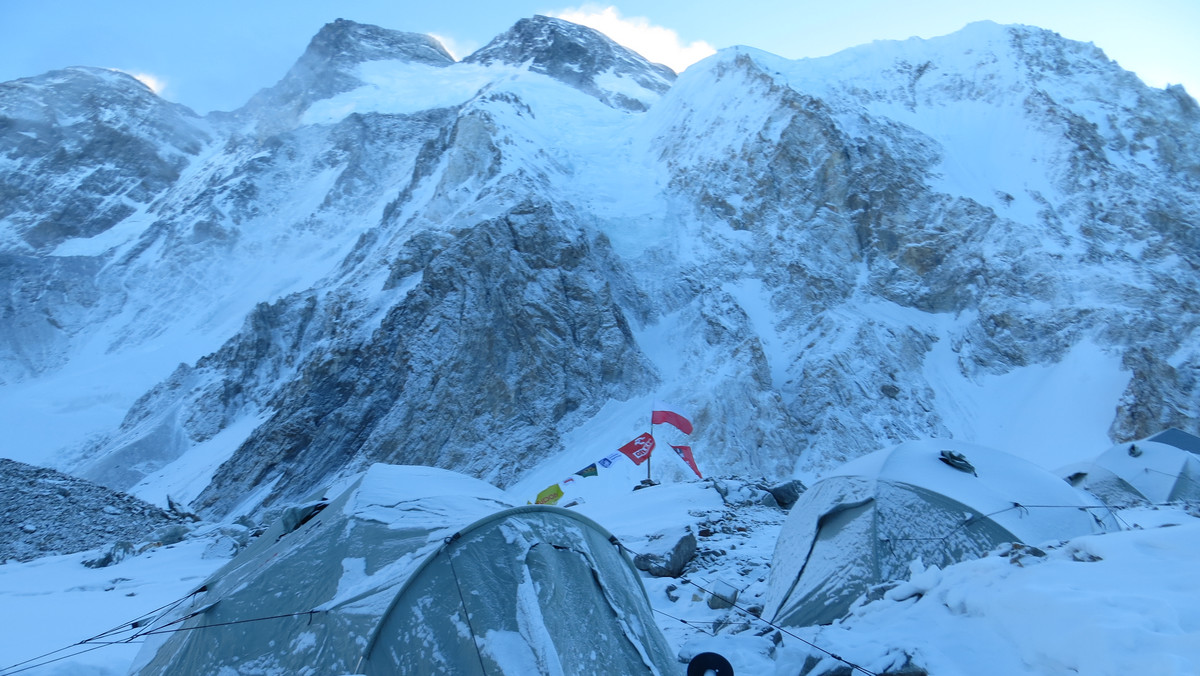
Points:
x=511 y=331
x=575 y=55
x=786 y=494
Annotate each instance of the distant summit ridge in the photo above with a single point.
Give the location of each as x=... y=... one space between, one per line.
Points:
x=575 y=55
x=65 y=123
x=344 y=42
x=327 y=67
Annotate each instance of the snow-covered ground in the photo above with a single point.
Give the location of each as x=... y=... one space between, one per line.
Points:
x=1118 y=603
x=52 y=606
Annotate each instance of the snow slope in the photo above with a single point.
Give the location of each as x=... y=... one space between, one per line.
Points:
x=1104 y=604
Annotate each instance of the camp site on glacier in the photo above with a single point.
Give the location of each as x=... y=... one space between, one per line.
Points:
x=550 y=359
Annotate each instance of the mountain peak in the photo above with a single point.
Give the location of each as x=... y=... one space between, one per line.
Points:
x=329 y=64
x=575 y=55
x=347 y=43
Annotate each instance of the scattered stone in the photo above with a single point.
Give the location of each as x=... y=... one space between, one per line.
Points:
x=670 y=560
x=221 y=547
x=171 y=534
x=179 y=511
x=672 y=593
x=722 y=596
x=115 y=553
x=1020 y=554
x=786 y=494
x=44 y=512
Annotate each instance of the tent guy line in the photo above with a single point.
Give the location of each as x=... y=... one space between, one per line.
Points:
x=163 y=629
x=152 y=630
x=94 y=642
x=747 y=613
x=90 y=648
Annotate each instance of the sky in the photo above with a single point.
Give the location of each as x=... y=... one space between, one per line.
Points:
x=214 y=55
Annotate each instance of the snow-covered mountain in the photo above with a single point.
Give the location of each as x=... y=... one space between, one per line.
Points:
x=495 y=265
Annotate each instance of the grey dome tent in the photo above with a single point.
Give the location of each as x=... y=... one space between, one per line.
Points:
x=938 y=501
x=1179 y=439
x=416 y=570
x=1144 y=471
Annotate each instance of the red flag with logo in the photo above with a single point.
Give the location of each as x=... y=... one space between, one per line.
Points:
x=639 y=449
x=685 y=452
x=671 y=418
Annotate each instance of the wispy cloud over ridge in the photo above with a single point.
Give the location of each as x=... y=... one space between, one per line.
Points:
x=657 y=43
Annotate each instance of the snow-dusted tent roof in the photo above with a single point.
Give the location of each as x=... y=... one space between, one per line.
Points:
x=937 y=501
x=1143 y=471
x=414 y=571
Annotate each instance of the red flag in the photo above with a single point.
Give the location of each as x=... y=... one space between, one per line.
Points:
x=672 y=418
x=639 y=449
x=685 y=452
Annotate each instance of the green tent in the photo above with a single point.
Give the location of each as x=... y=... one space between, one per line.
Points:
x=416 y=570
x=939 y=502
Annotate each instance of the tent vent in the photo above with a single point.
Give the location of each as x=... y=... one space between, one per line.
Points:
x=958 y=461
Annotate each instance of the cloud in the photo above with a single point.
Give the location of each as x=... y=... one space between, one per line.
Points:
x=457 y=49
x=154 y=82
x=656 y=43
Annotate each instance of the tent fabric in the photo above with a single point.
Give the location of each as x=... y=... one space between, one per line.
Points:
x=866 y=522
x=416 y=570
x=1179 y=439
x=1142 y=472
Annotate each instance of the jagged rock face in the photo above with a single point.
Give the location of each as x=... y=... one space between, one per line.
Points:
x=510 y=333
x=1160 y=395
x=800 y=252
x=577 y=56
x=83 y=149
x=839 y=182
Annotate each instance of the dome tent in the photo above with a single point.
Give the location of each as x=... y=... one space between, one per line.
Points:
x=937 y=501
x=1143 y=471
x=414 y=570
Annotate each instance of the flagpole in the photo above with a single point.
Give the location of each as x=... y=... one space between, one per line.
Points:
x=651 y=434
x=648 y=460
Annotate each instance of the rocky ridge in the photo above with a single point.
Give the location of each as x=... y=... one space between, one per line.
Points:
x=793 y=249
x=577 y=56
x=328 y=67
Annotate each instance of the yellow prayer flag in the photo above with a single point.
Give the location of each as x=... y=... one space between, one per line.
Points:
x=550 y=496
